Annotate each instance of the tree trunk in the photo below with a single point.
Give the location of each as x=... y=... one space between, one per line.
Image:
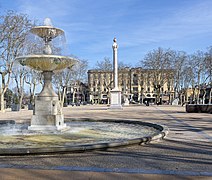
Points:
x=181 y=99
x=2 y=102
x=184 y=99
x=210 y=97
x=63 y=96
x=20 y=100
x=186 y=93
x=197 y=96
x=73 y=99
x=203 y=98
x=158 y=96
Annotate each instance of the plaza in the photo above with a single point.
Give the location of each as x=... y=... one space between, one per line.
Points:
x=73 y=108
x=184 y=154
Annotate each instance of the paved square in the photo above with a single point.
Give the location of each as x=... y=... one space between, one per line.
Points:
x=185 y=153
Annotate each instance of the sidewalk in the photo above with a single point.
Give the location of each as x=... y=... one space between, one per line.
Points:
x=22 y=174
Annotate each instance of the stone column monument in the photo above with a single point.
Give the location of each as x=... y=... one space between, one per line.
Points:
x=115 y=93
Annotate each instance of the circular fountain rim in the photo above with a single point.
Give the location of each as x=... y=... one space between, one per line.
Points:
x=163 y=131
x=44 y=56
x=58 y=60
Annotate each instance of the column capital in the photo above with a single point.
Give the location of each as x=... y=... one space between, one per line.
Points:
x=115 y=45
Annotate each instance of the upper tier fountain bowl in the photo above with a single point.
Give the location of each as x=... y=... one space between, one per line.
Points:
x=47 y=31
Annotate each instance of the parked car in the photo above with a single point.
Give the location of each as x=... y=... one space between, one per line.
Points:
x=77 y=104
x=84 y=103
x=72 y=104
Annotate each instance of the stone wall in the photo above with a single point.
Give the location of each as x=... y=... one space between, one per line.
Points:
x=199 y=108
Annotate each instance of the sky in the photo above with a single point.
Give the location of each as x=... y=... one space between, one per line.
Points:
x=139 y=25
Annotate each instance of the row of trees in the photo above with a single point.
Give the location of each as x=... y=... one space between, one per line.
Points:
x=189 y=70
x=178 y=68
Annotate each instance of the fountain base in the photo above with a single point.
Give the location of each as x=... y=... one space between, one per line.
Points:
x=47 y=123
x=47 y=115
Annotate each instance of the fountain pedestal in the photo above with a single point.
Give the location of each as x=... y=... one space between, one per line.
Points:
x=47 y=116
x=48 y=111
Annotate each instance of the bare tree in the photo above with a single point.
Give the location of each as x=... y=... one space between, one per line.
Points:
x=208 y=71
x=187 y=79
x=69 y=76
x=33 y=79
x=179 y=60
x=208 y=65
x=122 y=65
x=80 y=71
x=105 y=65
x=19 y=75
x=159 y=63
x=198 y=67
x=13 y=30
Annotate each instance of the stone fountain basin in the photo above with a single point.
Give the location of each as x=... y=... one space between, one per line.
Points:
x=45 y=31
x=83 y=135
x=47 y=62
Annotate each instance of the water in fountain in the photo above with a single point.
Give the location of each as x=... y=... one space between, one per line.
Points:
x=47 y=22
x=80 y=133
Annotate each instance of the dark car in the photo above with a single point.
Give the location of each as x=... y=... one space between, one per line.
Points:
x=77 y=104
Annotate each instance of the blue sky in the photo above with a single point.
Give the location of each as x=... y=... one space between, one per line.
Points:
x=139 y=25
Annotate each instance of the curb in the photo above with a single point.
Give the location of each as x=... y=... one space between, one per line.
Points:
x=104 y=146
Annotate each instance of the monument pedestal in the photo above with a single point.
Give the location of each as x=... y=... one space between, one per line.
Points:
x=115 y=99
x=47 y=115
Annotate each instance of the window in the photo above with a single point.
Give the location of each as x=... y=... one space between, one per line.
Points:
x=135 y=89
x=104 y=96
x=135 y=79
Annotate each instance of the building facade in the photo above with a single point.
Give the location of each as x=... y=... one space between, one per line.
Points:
x=137 y=84
x=77 y=92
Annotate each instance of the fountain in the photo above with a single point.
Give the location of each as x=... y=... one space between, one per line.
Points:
x=48 y=133
x=48 y=111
